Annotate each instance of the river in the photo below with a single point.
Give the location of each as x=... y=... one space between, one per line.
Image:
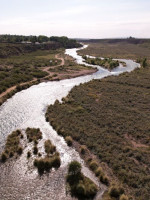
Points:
x=19 y=180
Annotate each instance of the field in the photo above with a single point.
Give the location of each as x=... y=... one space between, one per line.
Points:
x=111 y=117
x=118 y=50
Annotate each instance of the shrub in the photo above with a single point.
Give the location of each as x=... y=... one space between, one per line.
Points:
x=80 y=190
x=116 y=191
x=69 y=140
x=83 y=149
x=98 y=171
x=20 y=150
x=3 y=157
x=80 y=185
x=92 y=190
x=12 y=145
x=56 y=162
x=74 y=168
x=39 y=155
x=40 y=165
x=33 y=134
x=35 y=150
x=35 y=162
x=104 y=179
x=28 y=154
x=49 y=148
x=11 y=154
x=123 y=197
x=35 y=142
x=93 y=165
x=45 y=164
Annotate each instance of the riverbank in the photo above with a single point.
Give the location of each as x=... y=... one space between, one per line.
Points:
x=113 y=124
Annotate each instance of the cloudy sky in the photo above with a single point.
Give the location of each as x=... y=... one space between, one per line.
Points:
x=76 y=18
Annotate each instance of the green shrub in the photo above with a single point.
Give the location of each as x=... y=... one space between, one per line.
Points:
x=74 y=168
x=45 y=164
x=80 y=190
x=83 y=149
x=80 y=185
x=93 y=165
x=104 y=179
x=116 y=191
x=92 y=190
x=33 y=134
x=98 y=171
x=35 y=150
x=69 y=140
x=49 y=148
x=56 y=162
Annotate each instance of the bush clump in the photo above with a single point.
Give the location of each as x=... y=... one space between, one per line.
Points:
x=35 y=150
x=116 y=191
x=49 y=148
x=104 y=179
x=12 y=145
x=98 y=171
x=80 y=186
x=69 y=140
x=45 y=164
x=93 y=165
x=83 y=149
x=33 y=134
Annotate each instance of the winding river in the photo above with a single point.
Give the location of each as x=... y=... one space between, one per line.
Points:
x=27 y=109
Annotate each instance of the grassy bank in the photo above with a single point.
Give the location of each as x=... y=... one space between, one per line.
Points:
x=118 y=49
x=111 y=117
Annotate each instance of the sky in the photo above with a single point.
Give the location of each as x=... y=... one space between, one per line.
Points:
x=76 y=18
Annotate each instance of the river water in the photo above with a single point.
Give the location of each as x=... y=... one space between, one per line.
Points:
x=19 y=180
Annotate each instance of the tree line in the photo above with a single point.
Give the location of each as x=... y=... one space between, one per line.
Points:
x=35 y=39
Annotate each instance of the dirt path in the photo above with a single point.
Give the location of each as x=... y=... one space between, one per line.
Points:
x=45 y=69
x=60 y=58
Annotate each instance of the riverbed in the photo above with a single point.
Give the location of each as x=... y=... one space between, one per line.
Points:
x=18 y=180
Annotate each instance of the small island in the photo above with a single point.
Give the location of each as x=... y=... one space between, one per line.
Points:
x=107 y=63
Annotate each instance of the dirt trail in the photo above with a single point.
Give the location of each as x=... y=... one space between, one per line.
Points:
x=60 y=58
x=60 y=76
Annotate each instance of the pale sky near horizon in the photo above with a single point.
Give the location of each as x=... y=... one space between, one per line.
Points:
x=76 y=18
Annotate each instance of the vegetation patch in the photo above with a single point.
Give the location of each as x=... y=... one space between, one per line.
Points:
x=47 y=163
x=69 y=140
x=33 y=134
x=80 y=186
x=12 y=146
x=49 y=147
x=113 y=123
x=108 y=63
